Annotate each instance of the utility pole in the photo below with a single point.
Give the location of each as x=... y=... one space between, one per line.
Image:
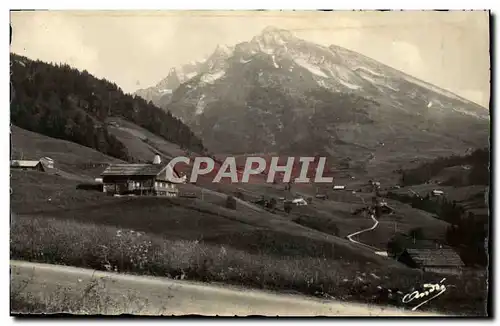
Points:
x=109 y=105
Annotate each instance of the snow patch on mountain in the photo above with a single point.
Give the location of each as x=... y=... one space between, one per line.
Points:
x=349 y=85
x=212 y=77
x=322 y=83
x=274 y=62
x=368 y=78
x=312 y=68
x=390 y=87
x=200 y=106
x=364 y=69
x=473 y=114
x=165 y=91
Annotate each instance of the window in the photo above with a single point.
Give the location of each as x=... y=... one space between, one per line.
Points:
x=137 y=184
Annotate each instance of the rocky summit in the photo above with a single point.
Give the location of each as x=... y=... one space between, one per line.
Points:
x=279 y=93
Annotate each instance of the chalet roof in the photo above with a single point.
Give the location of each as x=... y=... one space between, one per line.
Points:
x=435 y=257
x=136 y=170
x=24 y=163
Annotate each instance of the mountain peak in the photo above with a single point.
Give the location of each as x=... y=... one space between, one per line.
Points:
x=271 y=38
x=223 y=50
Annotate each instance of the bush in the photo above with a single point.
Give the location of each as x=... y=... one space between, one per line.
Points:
x=271 y=204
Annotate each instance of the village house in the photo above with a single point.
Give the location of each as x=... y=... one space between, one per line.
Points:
x=47 y=162
x=299 y=202
x=440 y=260
x=141 y=179
x=27 y=165
x=437 y=193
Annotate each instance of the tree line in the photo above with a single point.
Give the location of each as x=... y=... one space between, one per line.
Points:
x=62 y=102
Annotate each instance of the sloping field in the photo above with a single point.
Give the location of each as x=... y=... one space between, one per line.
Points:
x=71 y=160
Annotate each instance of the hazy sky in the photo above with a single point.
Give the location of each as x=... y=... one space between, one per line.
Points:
x=136 y=49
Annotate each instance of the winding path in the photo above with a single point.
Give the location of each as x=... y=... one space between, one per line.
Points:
x=362 y=231
x=349 y=237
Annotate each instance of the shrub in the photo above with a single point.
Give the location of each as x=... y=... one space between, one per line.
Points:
x=230 y=202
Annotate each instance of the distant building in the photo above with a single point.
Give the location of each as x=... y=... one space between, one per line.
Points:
x=299 y=202
x=140 y=179
x=27 y=165
x=321 y=196
x=381 y=253
x=437 y=192
x=338 y=187
x=47 y=162
x=157 y=159
x=442 y=260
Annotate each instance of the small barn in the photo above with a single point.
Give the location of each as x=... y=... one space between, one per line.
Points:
x=442 y=260
x=47 y=162
x=437 y=193
x=27 y=165
x=140 y=179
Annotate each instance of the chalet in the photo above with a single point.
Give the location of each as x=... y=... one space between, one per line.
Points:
x=27 y=165
x=140 y=179
x=339 y=187
x=441 y=260
x=382 y=253
x=437 y=193
x=299 y=202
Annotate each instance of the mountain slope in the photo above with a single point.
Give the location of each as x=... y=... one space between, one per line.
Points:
x=64 y=103
x=280 y=93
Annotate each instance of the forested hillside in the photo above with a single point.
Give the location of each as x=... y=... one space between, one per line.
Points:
x=62 y=102
x=479 y=173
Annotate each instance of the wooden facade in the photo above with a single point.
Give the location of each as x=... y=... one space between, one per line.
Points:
x=442 y=261
x=139 y=179
x=27 y=165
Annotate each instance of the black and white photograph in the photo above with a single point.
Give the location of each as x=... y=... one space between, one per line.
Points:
x=290 y=163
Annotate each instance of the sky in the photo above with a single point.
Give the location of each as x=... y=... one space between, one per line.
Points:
x=136 y=49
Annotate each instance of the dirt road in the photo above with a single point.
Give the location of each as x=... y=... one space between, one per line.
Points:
x=171 y=297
